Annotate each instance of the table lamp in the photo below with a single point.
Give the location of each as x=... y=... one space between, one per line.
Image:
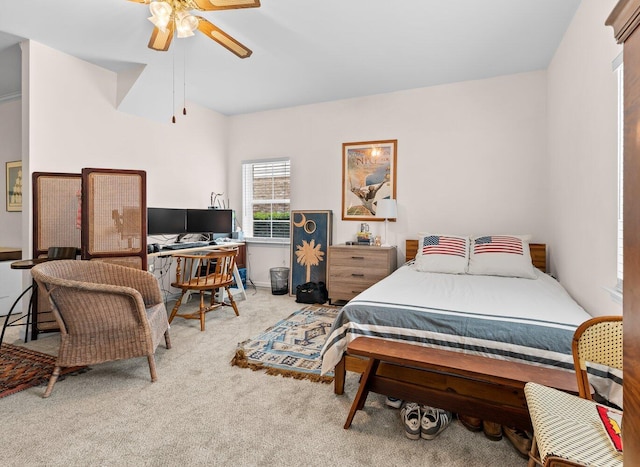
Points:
x=388 y=209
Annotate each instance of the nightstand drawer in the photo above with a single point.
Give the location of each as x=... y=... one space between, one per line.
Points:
x=347 y=290
x=367 y=273
x=360 y=257
x=353 y=269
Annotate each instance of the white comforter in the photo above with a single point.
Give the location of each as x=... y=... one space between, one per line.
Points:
x=529 y=320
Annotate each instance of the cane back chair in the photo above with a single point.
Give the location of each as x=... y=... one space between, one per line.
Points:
x=211 y=272
x=597 y=341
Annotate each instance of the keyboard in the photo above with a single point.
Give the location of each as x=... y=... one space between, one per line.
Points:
x=184 y=245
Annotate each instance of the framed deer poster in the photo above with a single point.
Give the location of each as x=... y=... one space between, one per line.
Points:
x=368 y=175
x=310 y=239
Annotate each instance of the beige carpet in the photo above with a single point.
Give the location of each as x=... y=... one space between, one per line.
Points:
x=203 y=411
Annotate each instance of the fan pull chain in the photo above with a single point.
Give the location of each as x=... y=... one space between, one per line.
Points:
x=184 y=82
x=173 y=102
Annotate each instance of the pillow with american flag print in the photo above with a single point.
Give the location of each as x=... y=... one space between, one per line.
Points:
x=501 y=255
x=442 y=253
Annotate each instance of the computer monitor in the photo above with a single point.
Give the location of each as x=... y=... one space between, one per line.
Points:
x=166 y=221
x=209 y=221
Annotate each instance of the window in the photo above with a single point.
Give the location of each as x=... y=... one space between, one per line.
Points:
x=265 y=198
x=619 y=71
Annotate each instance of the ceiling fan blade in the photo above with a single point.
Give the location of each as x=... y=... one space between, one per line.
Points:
x=222 y=38
x=161 y=40
x=211 y=5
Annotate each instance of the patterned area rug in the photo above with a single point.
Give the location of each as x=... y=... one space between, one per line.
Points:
x=292 y=346
x=21 y=368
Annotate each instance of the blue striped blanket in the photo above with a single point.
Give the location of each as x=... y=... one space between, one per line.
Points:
x=526 y=320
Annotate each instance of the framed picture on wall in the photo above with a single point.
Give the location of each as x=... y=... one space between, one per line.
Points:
x=368 y=175
x=310 y=239
x=14 y=186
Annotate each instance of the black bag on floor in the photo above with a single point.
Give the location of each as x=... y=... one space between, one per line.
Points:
x=312 y=292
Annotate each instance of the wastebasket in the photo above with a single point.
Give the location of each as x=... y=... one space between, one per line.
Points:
x=279 y=280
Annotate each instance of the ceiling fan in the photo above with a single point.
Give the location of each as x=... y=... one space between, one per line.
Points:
x=175 y=16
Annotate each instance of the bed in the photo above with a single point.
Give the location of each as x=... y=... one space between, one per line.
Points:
x=510 y=318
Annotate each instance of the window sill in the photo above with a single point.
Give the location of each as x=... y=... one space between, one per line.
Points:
x=267 y=241
x=615 y=294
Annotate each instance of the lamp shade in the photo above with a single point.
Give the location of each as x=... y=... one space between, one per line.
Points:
x=185 y=24
x=387 y=208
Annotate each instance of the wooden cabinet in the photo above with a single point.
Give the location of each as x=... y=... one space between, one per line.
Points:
x=625 y=19
x=241 y=259
x=354 y=268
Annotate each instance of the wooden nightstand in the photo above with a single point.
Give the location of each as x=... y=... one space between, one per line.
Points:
x=354 y=268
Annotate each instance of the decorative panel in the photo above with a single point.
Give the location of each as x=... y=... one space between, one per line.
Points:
x=114 y=213
x=56 y=223
x=310 y=239
x=56 y=211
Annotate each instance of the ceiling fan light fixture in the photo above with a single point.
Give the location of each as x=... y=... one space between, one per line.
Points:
x=186 y=23
x=160 y=9
x=160 y=23
x=175 y=18
x=160 y=14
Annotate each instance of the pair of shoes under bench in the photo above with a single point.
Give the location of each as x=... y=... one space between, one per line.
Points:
x=423 y=421
x=393 y=402
x=521 y=440
x=411 y=417
x=434 y=421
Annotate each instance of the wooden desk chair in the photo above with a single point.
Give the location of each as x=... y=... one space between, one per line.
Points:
x=62 y=252
x=205 y=273
x=597 y=340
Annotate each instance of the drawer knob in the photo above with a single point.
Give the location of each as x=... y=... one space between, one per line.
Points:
x=357 y=275
x=357 y=257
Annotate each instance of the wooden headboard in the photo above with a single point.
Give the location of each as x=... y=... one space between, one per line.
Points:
x=538 y=253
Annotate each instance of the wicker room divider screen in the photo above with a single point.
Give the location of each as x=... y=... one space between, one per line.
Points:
x=56 y=223
x=56 y=211
x=114 y=213
x=101 y=212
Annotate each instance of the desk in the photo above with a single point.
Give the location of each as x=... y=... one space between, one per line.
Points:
x=204 y=249
x=10 y=253
x=10 y=281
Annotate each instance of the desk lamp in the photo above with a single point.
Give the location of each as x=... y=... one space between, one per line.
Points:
x=388 y=209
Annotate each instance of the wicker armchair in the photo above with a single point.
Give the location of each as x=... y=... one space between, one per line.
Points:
x=105 y=312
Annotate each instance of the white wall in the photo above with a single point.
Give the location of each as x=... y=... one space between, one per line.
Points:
x=11 y=230
x=73 y=123
x=10 y=150
x=527 y=153
x=472 y=157
x=582 y=172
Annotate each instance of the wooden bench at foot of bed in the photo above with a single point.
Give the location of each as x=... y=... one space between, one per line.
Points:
x=473 y=385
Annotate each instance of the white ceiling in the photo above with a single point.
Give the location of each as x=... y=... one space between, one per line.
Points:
x=304 y=51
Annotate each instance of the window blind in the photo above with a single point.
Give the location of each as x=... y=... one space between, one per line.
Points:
x=620 y=237
x=266 y=198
